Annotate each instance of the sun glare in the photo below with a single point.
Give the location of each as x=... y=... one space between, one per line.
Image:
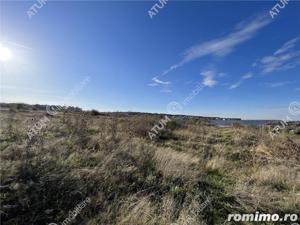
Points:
x=5 y=54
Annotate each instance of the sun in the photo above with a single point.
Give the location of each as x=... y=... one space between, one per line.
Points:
x=5 y=54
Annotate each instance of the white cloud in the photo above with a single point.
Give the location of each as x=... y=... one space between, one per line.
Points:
x=164 y=84
x=235 y=85
x=284 y=58
x=153 y=84
x=279 y=84
x=157 y=81
x=209 y=78
x=224 y=45
x=288 y=45
x=242 y=79
x=247 y=76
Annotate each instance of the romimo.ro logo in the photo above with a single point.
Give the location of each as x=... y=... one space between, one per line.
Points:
x=261 y=217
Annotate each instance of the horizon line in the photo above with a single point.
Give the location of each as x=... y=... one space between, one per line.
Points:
x=145 y=112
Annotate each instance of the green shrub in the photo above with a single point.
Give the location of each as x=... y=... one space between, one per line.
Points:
x=166 y=135
x=95 y=113
x=173 y=124
x=280 y=186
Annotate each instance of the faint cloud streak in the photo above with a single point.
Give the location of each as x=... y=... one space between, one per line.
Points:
x=284 y=58
x=242 y=79
x=221 y=47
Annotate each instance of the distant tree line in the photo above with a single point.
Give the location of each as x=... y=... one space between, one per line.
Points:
x=36 y=107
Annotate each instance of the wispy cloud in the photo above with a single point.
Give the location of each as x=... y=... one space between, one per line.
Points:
x=242 y=79
x=235 y=85
x=209 y=76
x=223 y=46
x=157 y=81
x=278 y=84
x=247 y=76
x=152 y=84
x=284 y=58
x=288 y=45
x=5 y=42
x=164 y=84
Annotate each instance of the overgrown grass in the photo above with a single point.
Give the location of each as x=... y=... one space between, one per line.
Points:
x=134 y=180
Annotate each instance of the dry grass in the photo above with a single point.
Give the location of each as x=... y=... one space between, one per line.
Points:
x=176 y=164
x=133 y=180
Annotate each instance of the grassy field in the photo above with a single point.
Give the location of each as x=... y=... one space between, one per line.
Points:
x=191 y=173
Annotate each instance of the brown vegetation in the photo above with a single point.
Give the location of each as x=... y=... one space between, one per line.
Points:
x=132 y=180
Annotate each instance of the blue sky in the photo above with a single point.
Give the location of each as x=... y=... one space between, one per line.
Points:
x=242 y=62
